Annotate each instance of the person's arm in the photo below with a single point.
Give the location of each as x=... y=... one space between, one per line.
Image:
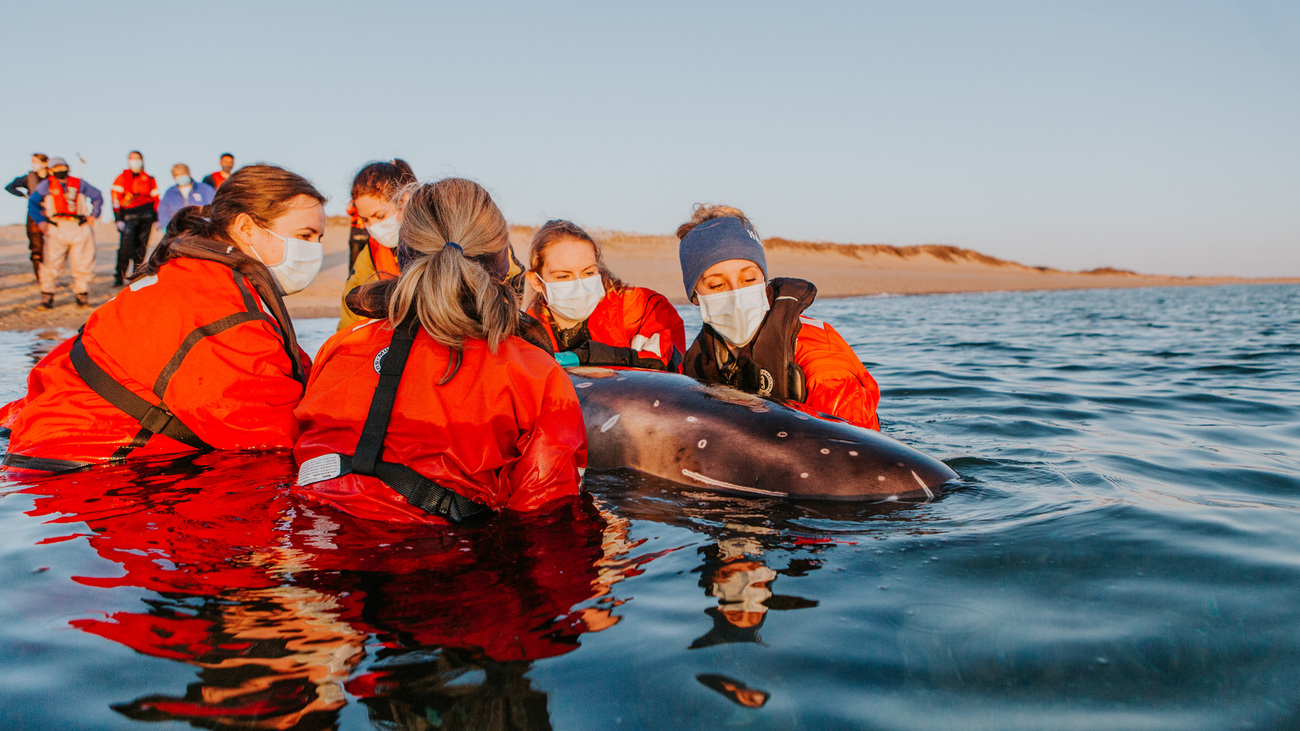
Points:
x=552 y=451
x=838 y=384
x=18 y=187
x=36 y=203
x=118 y=191
x=168 y=207
x=96 y=200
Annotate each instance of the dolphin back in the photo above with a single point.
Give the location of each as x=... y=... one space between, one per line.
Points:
x=715 y=437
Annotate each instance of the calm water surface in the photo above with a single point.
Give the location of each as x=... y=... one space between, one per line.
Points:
x=1123 y=552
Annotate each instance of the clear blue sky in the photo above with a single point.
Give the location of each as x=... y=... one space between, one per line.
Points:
x=1156 y=136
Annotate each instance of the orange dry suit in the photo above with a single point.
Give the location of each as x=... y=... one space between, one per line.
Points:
x=199 y=356
x=398 y=427
x=632 y=326
x=792 y=357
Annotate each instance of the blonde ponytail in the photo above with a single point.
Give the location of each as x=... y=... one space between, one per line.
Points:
x=450 y=231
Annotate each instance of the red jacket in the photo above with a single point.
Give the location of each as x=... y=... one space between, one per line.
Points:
x=632 y=317
x=838 y=383
x=233 y=387
x=132 y=190
x=506 y=431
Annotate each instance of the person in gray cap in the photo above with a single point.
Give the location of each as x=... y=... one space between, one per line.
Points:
x=65 y=209
x=755 y=337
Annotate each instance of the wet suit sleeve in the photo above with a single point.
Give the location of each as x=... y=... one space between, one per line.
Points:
x=36 y=202
x=552 y=449
x=838 y=383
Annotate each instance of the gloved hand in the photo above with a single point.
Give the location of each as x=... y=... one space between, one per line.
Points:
x=121 y=225
x=567 y=359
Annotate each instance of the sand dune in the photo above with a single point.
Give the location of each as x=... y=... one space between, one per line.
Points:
x=839 y=270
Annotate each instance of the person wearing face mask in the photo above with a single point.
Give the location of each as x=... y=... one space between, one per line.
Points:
x=135 y=207
x=592 y=318
x=376 y=200
x=755 y=337
x=185 y=193
x=65 y=210
x=198 y=353
x=435 y=410
x=23 y=186
x=215 y=179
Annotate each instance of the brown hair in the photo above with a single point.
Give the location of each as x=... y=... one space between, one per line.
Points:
x=707 y=212
x=550 y=233
x=382 y=179
x=454 y=296
x=261 y=191
x=41 y=156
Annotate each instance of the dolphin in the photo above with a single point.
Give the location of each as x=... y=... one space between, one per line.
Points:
x=718 y=438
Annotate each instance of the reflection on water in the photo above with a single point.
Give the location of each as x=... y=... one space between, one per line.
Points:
x=1121 y=553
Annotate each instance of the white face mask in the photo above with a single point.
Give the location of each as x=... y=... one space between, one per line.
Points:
x=735 y=315
x=183 y=181
x=136 y=165
x=575 y=299
x=299 y=265
x=385 y=231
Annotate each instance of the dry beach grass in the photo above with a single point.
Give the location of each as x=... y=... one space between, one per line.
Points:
x=839 y=270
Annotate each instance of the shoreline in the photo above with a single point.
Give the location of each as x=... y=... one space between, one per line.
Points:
x=838 y=270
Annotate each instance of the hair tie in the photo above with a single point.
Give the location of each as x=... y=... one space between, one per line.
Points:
x=454 y=245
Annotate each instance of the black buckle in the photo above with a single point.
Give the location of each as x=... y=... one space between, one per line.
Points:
x=156 y=419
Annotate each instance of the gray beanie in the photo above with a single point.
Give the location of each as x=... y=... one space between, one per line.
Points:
x=715 y=240
x=57 y=161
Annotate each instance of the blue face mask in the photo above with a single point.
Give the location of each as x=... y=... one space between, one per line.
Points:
x=184 y=180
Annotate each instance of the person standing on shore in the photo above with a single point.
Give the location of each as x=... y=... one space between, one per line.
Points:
x=23 y=186
x=135 y=206
x=65 y=210
x=185 y=193
x=215 y=179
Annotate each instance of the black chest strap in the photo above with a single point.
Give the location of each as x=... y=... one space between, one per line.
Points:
x=418 y=490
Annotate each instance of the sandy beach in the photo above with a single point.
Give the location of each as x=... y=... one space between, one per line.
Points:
x=838 y=270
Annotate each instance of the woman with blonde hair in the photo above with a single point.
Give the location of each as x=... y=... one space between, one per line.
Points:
x=755 y=335
x=435 y=410
x=589 y=315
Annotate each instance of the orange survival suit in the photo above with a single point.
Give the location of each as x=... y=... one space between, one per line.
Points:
x=792 y=357
x=632 y=326
x=462 y=431
x=200 y=356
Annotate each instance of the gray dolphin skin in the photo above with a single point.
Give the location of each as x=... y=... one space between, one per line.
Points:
x=715 y=437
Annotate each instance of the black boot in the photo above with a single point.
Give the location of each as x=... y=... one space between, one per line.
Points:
x=47 y=300
x=83 y=299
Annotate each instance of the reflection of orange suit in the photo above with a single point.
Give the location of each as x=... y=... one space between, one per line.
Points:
x=197 y=338
x=505 y=431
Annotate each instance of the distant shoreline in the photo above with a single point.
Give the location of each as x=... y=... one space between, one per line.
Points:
x=838 y=270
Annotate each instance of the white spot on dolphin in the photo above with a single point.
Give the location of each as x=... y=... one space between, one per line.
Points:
x=584 y=384
x=702 y=443
x=656 y=403
x=928 y=495
x=782 y=434
x=727 y=485
x=691 y=419
x=803 y=475
x=853 y=453
x=609 y=423
x=621 y=378
x=881 y=478
x=825 y=450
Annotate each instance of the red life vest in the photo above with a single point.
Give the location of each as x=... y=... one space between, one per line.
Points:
x=63 y=195
x=218 y=178
x=133 y=190
x=384 y=258
x=506 y=430
x=195 y=345
x=634 y=318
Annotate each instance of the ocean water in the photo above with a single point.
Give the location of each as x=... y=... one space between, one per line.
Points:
x=1122 y=551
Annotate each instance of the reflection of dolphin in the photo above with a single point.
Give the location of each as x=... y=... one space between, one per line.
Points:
x=714 y=437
